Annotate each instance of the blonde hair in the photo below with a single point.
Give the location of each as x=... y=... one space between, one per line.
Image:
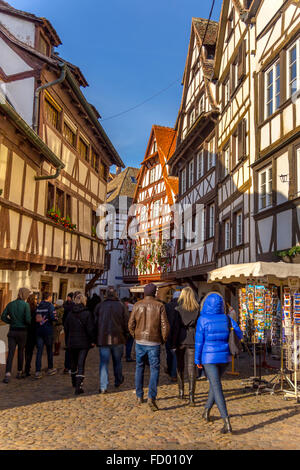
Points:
x=80 y=299
x=188 y=300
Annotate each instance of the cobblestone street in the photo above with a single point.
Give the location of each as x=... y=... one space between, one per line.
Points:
x=45 y=414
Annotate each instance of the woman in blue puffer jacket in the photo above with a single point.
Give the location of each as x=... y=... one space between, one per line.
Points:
x=212 y=351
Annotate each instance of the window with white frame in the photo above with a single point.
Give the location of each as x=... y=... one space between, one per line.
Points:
x=192 y=117
x=211 y=228
x=200 y=164
x=293 y=65
x=191 y=173
x=226 y=92
x=144 y=213
x=272 y=89
x=152 y=175
x=202 y=104
x=226 y=161
x=203 y=224
x=211 y=154
x=156 y=208
x=188 y=234
x=227 y=234
x=183 y=181
x=298 y=170
x=239 y=228
x=265 y=187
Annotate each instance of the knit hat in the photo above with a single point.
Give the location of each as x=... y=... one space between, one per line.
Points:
x=150 y=290
x=24 y=293
x=59 y=302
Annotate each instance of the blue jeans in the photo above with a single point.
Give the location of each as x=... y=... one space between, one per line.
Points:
x=153 y=353
x=41 y=340
x=171 y=361
x=129 y=344
x=214 y=374
x=116 y=351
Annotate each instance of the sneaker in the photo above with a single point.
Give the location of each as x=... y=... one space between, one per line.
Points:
x=52 y=371
x=38 y=375
x=6 y=379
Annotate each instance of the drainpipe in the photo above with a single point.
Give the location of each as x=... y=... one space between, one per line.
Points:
x=49 y=177
x=43 y=87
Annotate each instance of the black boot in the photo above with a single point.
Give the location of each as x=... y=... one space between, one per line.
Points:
x=206 y=415
x=73 y=378
x=192 y=386
x=227 y=426
x=180 y=381
x=78 y=384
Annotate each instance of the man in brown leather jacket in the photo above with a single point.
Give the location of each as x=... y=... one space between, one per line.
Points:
x=149 y=326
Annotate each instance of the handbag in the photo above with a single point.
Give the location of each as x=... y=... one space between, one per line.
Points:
x=234 y=343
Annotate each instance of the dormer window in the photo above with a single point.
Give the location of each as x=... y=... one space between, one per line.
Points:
x=154 y=147
x=43 y=46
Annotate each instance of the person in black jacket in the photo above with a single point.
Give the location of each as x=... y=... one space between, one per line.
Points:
x=31 y=334
x=111 y=317
x=188 y=309
x=68 y=306
x=79 y=328
x=173 y=319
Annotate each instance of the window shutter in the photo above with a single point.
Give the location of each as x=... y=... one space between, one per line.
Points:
x=231 y=78
x=223 y=95
x=242 y=60
x=283 y=76
x=261 y=96
x=233 y=150
x=242 y=139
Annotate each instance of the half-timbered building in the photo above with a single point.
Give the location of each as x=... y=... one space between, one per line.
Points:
x=276 y=165
x=194 y=160
x=149 y=255
x=54 y=163
x=120 y=193
x=234 y=133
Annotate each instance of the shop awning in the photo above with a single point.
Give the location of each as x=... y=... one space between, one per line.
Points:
x=271 y=272
x=140 y=289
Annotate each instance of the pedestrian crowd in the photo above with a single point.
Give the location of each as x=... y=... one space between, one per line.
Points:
x=195 y=334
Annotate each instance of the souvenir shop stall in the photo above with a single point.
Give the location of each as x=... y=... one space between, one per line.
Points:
x=269 y=316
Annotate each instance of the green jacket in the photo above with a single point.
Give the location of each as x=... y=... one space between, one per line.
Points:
x=17 y=314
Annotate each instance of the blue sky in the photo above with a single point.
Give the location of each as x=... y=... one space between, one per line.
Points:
x=128 y=51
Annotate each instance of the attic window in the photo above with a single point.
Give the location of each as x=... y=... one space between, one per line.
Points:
x=210 y=52
x=133 y=179
x=43 y=45
x=154 y=147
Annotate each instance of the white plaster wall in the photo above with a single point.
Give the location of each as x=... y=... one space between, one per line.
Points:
x=10 y=61
x=19 y=27
x=282 y=192
x=284 y=230
x=21 y=95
